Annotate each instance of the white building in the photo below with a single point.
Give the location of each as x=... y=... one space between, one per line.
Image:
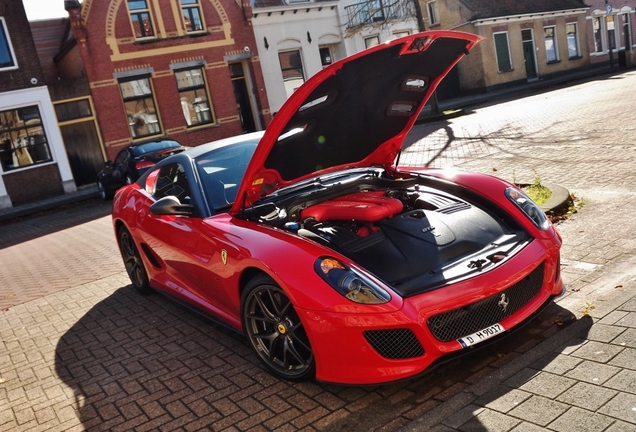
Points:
x=297 y=38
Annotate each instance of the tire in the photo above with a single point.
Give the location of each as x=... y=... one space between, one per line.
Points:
x=129 y=180
x=275 y=332
x=133 y=262
x=104 y=193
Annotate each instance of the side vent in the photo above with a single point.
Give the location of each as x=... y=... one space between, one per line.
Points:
x=150 y=255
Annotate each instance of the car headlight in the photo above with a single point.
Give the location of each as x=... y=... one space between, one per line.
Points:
x=529 y=207
x=350 y=283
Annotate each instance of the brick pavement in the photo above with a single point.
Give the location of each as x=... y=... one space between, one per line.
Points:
x=56 y=248
x=97 y=356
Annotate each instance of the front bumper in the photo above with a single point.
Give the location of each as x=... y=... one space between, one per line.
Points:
x=383 y=347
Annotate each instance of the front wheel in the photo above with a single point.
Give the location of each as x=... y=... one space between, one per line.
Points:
x=132 y=261
x=104 y=193
x=275 y=332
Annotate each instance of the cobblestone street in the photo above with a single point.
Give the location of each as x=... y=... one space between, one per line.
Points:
x=80 y=350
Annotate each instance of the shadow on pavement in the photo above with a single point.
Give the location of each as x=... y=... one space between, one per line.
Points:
x=22 y=229
x=506 y=397
x=136 y=360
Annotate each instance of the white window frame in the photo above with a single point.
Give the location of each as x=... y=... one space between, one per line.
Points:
x=371 y=41
x=555 y=44
x=433 y=13
x=600 y=19
x=5 y=31
x=401 y=33
x=289 y=84
x=576 y=40
x=626 y=22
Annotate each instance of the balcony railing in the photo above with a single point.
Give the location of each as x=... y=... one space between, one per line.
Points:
x=378 y=11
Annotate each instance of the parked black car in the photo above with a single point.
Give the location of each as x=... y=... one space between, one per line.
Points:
x=131 y=162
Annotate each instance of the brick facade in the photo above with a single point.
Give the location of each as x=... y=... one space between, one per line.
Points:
x=111 y=51
x=33 y=163
x=623 y=20
x=23 y=47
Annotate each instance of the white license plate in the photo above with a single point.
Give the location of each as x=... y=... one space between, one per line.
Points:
x=481 y=335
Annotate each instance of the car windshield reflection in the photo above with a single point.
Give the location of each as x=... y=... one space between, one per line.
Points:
x=221 y=172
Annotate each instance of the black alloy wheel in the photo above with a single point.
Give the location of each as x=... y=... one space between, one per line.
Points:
x=275 y=332
x=132 y=261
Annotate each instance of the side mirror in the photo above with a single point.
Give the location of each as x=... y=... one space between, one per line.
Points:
x=170 y=205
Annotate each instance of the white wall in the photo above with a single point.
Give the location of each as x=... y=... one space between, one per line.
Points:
x=285 y=27
x=39 y=96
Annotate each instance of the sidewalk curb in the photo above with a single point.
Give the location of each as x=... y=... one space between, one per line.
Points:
x=464 y=399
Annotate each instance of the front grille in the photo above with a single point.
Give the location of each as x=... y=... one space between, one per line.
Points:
x=469 y=319
x=394 y=344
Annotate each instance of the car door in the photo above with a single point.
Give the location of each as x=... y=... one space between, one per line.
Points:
x=179 y=243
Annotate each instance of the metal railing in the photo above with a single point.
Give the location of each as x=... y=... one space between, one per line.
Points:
x=378 y=11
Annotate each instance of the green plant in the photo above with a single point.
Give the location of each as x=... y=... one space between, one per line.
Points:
x=536 y=191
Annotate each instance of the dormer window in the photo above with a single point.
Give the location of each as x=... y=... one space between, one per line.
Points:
x=140 y=18
x=192 y=18
x=7 y=58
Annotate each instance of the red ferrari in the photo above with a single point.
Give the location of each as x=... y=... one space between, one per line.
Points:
x=335 y=262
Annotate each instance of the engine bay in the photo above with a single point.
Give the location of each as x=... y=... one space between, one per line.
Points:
x=413 y=236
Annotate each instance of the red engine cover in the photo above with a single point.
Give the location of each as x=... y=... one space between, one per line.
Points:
x=362 y=206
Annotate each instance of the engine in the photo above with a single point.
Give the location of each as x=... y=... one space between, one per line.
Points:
x=413 y=239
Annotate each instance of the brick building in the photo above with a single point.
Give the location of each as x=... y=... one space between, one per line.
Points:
x=33 y=163
x=609 y=26
x=187 y=69
x=524 y=40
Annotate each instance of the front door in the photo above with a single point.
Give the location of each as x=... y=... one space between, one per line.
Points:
x=529 y=55
x=243 y=100
x=81 y=140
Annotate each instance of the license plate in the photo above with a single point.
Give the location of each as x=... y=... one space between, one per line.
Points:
x=481 y=335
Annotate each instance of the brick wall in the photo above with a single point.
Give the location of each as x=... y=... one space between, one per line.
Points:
x=102 y=62
x=33 y=184
x=20 y=34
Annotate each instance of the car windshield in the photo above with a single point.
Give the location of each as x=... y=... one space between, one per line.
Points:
x=153 y=147
x=221 y=172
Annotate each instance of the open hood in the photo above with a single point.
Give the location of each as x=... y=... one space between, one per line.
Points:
x=354 y=113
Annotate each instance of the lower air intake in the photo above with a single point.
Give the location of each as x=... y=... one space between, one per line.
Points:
x=394 y=344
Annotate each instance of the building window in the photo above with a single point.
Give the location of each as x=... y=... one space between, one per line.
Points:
x=551 y=51
x=192 y=15
x=326 y=58
x=597 y=24
x=401 y=33
x=291 y=66
x=371 y=41
x=627 y=33
x=573 y=40
x=140 y=18
x=140 y=106
x=433 y=15
x=22 y=138
x=68 y=111
x=502 y=50
x=193 y=93
x=7 y=57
